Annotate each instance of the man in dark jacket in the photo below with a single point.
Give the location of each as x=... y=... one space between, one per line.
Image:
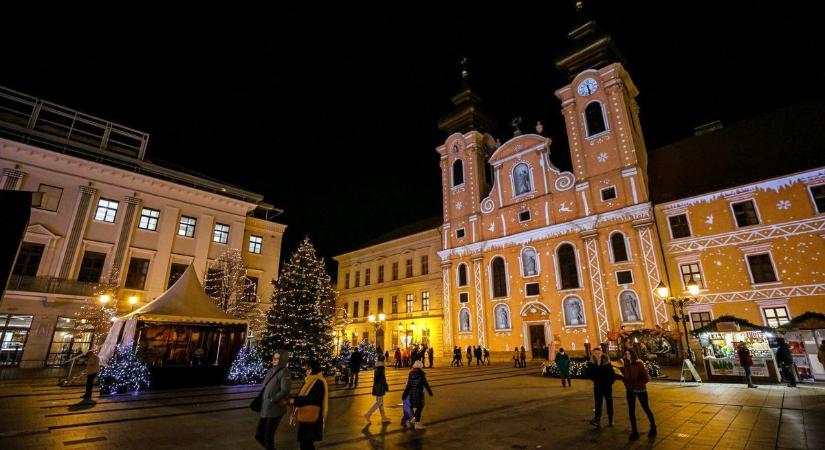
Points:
x=430 y=356
x=355 y=361
x=601 y=372
x=563 y=363
x=416 y=383
x=477 y=353
x=785 y=360
x=746 y=362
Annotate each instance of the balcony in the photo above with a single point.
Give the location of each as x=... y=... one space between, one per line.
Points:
x=50 y=285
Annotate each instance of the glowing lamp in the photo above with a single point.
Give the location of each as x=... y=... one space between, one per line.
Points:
x=662 y=290
x=693 y=286
x=371 y=318
x=133 y=299
x=104 y=298
x=381 y=317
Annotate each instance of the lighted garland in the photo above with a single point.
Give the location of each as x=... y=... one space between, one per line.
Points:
x=248 y=367
x=124 y=372
x=578 y=369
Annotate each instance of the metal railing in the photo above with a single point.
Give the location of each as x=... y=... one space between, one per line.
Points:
x=51 y=285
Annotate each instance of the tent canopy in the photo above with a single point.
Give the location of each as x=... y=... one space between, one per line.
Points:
x=185 y=301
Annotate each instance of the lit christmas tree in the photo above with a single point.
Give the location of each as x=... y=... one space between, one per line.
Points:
x=228 y=286
x=125 y=372
x=95 y=316
x=248 y=367
x=300 y=319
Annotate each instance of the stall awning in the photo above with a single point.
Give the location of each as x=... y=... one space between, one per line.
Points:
x=806 y=321
x=742 y=324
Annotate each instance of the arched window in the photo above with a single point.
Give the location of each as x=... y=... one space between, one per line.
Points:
x=499 y=277
x=458 y=172
x=502 y=315
x=619 y=247
x=568 y=270
x=464 y=320
x=529 y=262
x=521 y=179
x=629 y=304
x=573 y=311
x=595 y=118
x=462 y=275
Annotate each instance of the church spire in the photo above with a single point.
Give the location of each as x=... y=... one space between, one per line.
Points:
x=466 y=114
x=590 y=47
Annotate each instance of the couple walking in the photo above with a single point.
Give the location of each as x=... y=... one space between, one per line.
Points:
x=413 y=393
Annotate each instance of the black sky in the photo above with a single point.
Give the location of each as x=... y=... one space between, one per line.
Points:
x=332 y=114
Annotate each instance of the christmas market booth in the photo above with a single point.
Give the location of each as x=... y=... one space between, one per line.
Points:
x=654 y=345
x=719 y=341
x=805 y=334
x=184 y=338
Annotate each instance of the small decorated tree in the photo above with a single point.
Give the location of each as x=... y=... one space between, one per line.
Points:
x=124 y=372
x=95 y=316
x=248 y=367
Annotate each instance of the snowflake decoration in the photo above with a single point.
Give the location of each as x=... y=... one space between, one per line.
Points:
x=602 y=157
x=783 y=204
x=492 y=227
x=709 y=219
x=458 y=205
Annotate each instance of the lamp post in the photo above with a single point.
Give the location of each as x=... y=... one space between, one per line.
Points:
x=406 y=329
x=679 y=314
x=376 y=323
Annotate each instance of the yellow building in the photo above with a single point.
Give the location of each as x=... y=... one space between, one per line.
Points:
x=396 y=275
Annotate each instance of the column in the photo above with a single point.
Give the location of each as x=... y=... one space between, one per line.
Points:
x=480 y=310
x=447 y=305
x=124 y=236
x=11 y=179
x=591 y=245
x=81 y=218
x=644 y=230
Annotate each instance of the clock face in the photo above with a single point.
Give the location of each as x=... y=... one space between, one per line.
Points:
x=587 y=87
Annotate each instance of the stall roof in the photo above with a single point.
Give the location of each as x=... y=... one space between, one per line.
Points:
x=184 y=301
x=744 y=325
x=806 y=321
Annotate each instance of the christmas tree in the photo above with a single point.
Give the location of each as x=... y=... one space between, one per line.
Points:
x=125 y=372
x=248 y=368
x=95 y=316
x=233 y=292
x=300 y=319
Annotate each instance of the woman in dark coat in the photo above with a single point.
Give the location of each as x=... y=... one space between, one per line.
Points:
x=416 y=383
x=316 y=393
x=379 y=388
x=635 y=380
x=785 y=360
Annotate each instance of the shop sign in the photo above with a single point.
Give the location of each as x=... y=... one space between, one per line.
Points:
x=731 y=367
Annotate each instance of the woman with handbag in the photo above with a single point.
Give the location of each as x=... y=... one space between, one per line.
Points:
x=311 y=406
x=272 y=401
x=379 y=388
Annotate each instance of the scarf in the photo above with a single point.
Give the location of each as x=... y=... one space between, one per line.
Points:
x=309 y=381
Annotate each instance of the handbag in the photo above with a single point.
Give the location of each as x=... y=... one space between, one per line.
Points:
x=257 y=402
x=308 y=413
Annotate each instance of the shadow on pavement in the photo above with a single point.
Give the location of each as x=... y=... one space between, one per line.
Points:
x=83 y=405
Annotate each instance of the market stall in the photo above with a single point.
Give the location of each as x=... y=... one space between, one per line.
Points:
x=719 y=341
x=804 y=334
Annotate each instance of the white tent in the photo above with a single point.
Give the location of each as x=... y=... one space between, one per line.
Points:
x=184 y=302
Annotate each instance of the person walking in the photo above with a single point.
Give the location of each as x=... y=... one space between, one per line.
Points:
x=355 y=360
x=314 y=392
x=379 y=388
x=274 y=400
x=635 y=381
x=457 y=356
x=477 y=353
x=523 y=357
x=92 y=369
x=416 y=383
x=469 y=355
x=430 y=356
x=601 y=372
x=785 y=360
x=746 y=362
x=487 y=355
x=563 y=363
x=516 y=357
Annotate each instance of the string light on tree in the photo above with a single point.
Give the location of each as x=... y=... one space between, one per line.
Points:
x=248 y=367
x=125 y=372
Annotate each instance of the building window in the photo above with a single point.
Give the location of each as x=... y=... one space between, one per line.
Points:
x=745 y=213
x=624 y=277
x=28 y=260
x=381 y=273
x=679 y=227
x=463 y=297
x=619 y=247
x=818 y=193
x=608 y=193
x=106 y=210
x=67 y=341
x=221 y=233
x=761 y=268
x=521 y=179
x=91 y=267
x=573 y=311
x=357 y=278
x=367 y=275
x=409 y=268
x=502 y=315
x=499 y=277
x=380 y=304
x=692 y=270
x=531 y=289
x=15 y=331
x=700 y=319
x=458 y=172
x=136 y=277
x=251 y=290
x=425 y=265
x=175 y=271
x=568 y=269
x=354 y=309
x=776 y=316
x=594 y=119
x=524 y=216
x=425 y=301
x=459 y=233
x=51 y=197
x=394 y=304
x=255 y=243
x=462 y=274
x=186 y=227
x=346 y=281
x=366 y=308
x=395 y=271
x=409 y=303
x=149 y=219
x=629 y=304
x=464 y=320
x=529 y=262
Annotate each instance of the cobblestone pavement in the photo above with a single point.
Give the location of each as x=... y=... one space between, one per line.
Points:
x=494 y=407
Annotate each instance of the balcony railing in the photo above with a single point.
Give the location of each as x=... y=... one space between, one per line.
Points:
x=51 y=285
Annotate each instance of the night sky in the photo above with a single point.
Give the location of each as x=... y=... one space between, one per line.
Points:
x=333 y=117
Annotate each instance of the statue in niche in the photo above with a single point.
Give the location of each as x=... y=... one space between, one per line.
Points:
x=465 y=320
x=530 y=262
x=502 y=319
x=630 y=307
x=521 y=179
x=575 y=315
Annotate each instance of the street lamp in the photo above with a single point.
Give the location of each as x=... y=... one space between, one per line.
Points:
x=376 y=323
x=132 y=302
x=679 y=315
x=104 y=298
